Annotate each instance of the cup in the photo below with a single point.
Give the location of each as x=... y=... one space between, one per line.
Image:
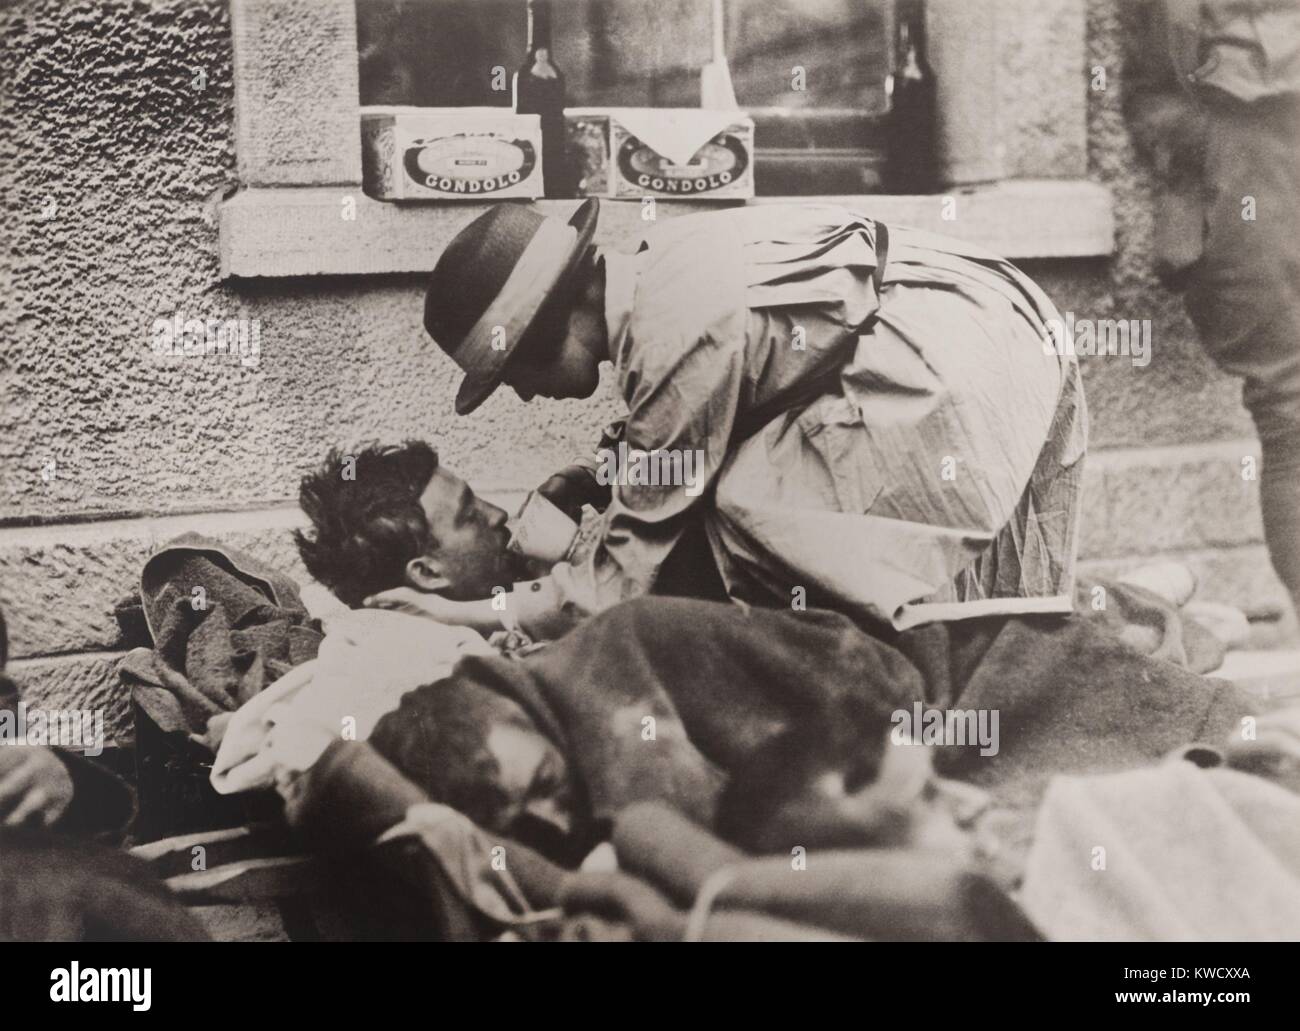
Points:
x=542 y=531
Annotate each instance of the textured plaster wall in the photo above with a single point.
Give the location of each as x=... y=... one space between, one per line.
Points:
x=116 y=141
x=114 y=134
x=1041 y=107
x=112 y=160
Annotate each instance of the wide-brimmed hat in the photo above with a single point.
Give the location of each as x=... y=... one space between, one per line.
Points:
x=492 y=280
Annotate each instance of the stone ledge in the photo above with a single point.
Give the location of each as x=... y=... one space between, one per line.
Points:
x=61 y=583
x=86 y=681
x=1191 y=496
x=303 y=231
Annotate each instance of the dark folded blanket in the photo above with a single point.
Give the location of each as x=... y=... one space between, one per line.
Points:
x=224 y=627
x=663 y=699
x=1070 y=695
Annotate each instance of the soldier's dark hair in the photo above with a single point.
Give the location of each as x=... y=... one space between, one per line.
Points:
x=366 y=519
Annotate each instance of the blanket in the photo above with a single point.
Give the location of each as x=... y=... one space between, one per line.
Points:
x=667 y=699
x=1168 y=853
x=1149 y=623
x=224 y=626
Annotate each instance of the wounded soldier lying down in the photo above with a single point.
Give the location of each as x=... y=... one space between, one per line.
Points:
x=390 y=521
x=779 y=728
x=772 y=727
x=391 y=517
x=664 y=698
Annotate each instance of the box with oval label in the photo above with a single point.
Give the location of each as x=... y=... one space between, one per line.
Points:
x=450 y=153
x=662 y=152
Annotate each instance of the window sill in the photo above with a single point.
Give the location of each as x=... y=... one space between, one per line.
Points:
x=303 y=231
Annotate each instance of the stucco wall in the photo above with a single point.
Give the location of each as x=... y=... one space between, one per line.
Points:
x=110 y=156
x=116 y=141
x=102 y=115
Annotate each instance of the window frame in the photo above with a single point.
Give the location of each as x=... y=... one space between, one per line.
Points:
x=300 y=209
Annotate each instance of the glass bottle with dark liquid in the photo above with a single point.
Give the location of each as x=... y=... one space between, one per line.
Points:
x=539 y=90
x=912 y=161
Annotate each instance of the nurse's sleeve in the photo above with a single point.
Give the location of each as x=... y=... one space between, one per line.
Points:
x=682 y=413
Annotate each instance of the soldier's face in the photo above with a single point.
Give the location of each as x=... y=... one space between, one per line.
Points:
x=471 y=535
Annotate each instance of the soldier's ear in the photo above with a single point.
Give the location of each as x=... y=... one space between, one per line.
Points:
x=426 y=573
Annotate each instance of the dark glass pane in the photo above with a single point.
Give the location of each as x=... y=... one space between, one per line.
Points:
x=628 y=52
x=811 y=72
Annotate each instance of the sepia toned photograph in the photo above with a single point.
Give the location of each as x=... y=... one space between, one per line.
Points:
x=651 y=470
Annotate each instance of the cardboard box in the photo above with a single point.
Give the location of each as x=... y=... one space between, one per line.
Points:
x=450 y=153
x=661 y=152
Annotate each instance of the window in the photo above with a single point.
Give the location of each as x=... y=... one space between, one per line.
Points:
x=302 y=210
x=811 y=72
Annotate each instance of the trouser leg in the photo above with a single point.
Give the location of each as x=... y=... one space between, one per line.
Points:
x=1244 y=296
x=1279 y=490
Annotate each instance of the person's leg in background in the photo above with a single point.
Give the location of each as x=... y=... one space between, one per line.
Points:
x=1244 y=296
x=1277 y=420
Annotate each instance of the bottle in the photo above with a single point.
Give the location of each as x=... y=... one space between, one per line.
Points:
x=539 y=90
x=912 y=161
